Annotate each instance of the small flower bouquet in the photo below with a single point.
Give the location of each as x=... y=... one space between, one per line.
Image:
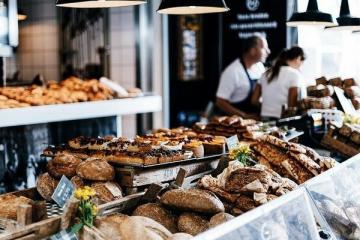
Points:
x=87 y=209
x=241 y=153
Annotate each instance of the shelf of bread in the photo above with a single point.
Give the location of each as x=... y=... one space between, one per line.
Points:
x=78 y=111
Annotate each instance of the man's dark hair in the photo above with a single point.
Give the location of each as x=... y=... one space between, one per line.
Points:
x=249 y=43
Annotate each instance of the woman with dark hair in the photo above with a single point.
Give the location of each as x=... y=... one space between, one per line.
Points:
x=281 y=84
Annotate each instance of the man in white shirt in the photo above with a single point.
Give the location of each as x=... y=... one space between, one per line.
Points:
x=239 y=79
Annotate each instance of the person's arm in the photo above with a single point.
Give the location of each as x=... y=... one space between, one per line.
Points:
x=293 y=97
x=255 y=98
x=226 y=106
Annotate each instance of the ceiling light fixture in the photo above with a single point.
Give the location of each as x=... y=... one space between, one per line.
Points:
x=345 y=20
x=312 y=17
x=182 y=7
x=97 y=3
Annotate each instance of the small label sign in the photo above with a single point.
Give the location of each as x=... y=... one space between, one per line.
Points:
x=232 y=142
x=63 y=191
x=64 y=235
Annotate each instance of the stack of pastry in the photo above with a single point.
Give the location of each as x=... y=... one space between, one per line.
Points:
x=295 y=161
x=92 y=172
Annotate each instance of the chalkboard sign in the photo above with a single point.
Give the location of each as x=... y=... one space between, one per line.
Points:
x=245 y=17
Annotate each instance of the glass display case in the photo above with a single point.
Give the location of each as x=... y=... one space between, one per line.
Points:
x=336 y=196
x=288 y=217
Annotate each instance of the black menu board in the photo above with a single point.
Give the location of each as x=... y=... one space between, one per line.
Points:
x=245 y=17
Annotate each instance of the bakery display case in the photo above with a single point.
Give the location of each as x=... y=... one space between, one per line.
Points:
x=336 y=197
x=289 y=217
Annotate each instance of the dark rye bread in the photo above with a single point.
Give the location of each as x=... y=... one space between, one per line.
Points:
x=192 y=223
x=63 y=164
x=95 y=170
x=193 y=200
x=159 y=214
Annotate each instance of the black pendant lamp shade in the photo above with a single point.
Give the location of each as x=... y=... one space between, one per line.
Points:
x=97 y=3
x=181 y=7
x=345 y=20
x=21 y=15
x=312 y=16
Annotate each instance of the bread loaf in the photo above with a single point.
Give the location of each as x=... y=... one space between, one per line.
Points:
x=159 y=214
x=192 y=223
x=220 y=218
x=9 y=204
x=180 y=236
x=107 y=191
x=63 y=164
x=96 y=170
x=46 y=186
x=77 y=182
x=194 y=200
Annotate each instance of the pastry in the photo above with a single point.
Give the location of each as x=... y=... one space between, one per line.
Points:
x=196 y=147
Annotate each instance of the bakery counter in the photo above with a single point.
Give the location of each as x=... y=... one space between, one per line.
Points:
x=78 y=111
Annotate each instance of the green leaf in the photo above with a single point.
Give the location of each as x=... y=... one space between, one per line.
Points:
x=77 y=227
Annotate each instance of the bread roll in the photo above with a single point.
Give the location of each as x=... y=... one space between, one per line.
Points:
x=9 y=204
x=220 y=218
x=107 y=191
x=194 y=200
x=63 y=164
x=159 y=214
x=96 y=170
x=192 y=223
x=180 y=236
x=46 y=186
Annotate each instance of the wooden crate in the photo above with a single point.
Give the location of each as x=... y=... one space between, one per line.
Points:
x=133 y=178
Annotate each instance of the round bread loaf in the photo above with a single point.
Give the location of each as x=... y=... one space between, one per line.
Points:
x=46 y=185
x=193 y=200
x=63 y=164
x=9 y=205
x=77 y=182
x=159 y=214
x=180 y=236
x=220 y=218
x=107 y=191
x=192 y=223
x=95 y=170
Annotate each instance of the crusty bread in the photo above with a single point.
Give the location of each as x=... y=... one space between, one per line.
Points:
x=63 y=164
x=96 y=170
x=77 y=182
x=180 y=236
x=159 y=214
x=46 y=186
x=107 y=191
x=109 y=226
x=193 y=200
x=192 y=223
x=219 y=219
x=9 y=204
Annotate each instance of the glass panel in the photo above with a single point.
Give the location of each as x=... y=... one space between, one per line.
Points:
x=336 y=195
x=289 y=217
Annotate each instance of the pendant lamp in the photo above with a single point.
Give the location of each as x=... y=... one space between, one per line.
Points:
x=97 y=3
x=345 y=20
x=182 y=7
x=21 y=15
x=312 y=17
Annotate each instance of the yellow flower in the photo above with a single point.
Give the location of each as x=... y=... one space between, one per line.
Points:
x=84 y=193
x=94 y=210
x=241 y=149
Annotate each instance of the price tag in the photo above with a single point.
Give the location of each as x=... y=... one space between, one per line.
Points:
x=63 y=191
x=232 y=142
x=64 y=235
